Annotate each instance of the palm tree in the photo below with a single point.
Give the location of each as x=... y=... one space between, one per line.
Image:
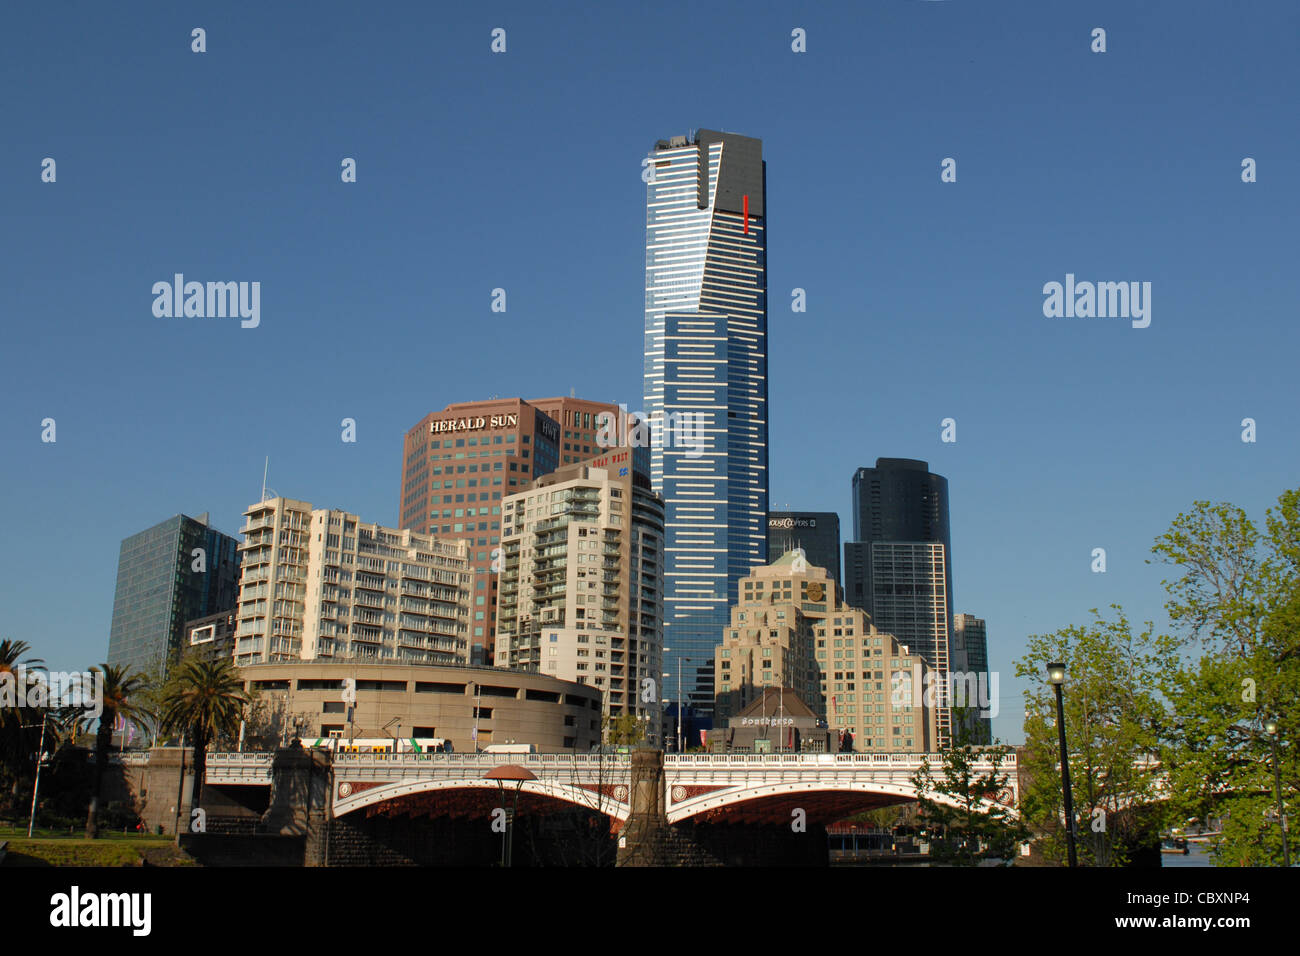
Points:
x=14 y=752
x=118 y=687
x=10 y=653
x=204 y=699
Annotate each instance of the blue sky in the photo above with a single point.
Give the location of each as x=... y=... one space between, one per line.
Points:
x=522 y=171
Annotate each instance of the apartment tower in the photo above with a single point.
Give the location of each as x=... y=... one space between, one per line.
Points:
x=581 y=582
x=321 y=584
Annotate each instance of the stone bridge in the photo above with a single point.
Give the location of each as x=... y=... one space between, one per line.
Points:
x=715 y=788
x=312 y=807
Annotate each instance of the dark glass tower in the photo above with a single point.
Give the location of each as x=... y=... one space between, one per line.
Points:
x=898 y=500
x=705 y=388
x=898 y=568
x=174 y=572
x=970 y=655
x=817 y=532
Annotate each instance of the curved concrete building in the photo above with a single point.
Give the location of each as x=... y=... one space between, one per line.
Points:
x=424 y=700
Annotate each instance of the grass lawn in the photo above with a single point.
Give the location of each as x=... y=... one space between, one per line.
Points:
x=20 y=833
x=64 y=852
x=111 y=849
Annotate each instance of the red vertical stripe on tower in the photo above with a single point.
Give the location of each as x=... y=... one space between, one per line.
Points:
x=746 y=215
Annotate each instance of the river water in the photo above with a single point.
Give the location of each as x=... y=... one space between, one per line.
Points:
x=1198 y=856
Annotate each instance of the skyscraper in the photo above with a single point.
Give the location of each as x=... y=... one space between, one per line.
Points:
x=816 y=532
x=458 y=463
x=898 y=568
x=178 y=570
x=706 y=384
x=898 y=500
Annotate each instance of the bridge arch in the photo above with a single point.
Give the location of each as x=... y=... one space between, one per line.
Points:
x=350 y=797
x=735 y=797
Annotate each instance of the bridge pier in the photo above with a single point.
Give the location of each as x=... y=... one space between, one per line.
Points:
x=301 y=798
x=647 y=839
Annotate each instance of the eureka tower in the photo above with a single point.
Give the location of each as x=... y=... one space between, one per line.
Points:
x=706 y=388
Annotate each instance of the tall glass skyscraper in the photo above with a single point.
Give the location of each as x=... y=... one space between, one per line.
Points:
x=706 y=387
x=898 y=567
x=176 y=571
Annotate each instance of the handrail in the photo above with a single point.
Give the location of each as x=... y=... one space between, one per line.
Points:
x=544 y=760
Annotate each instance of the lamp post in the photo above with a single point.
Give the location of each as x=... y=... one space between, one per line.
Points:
x=679 y=698
x=518 y=775
x=1056 y=677
x=36 y=784
x=477 y=699
x=1270 y=728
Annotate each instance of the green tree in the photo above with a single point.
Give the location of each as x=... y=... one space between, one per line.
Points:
x=887 y=818
x=623 y=729
x=265 y=723
x=149 y=697
x=120 y=689
x=18 y=739
x=961 y=805
x=1236 y=598
x=203 y=700
x=1114 y=718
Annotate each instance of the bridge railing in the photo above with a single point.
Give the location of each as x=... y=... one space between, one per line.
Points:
x=130 y=758
x=530 y=761
x=733 y=760
x=244 y=765
x=238 y=768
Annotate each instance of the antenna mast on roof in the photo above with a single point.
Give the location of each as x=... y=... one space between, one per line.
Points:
x=265 y=470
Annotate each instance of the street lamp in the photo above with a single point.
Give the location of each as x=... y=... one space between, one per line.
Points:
x=679 y=698
x=1270 y=728
x=477 y=699
x=1056 y=677
x=519 y=776
x=36 y=784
